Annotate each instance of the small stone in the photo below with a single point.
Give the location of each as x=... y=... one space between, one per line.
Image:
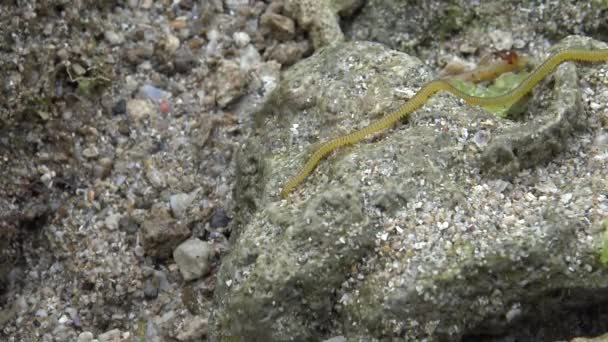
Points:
x=139 y=109
x=171 y=43
x=186 y=4
x=109 y=336
x=481 y=139
x=63 y=319
x=280 y=27
x=193 y=330
x=250 y=57
x=288 y=53
x=502 y=40
x=241 y=39
x=90 y=152
x=184 y=60
x=339 y=338
x=161 y=233
x=120 y=107
x=112 y=221
x=146 y=4
x=78 y=69
x=319 y=18
x=150 y=288
x=85 y=336
x=155 y=177
x=236 y=4
x=231 y=83
x=219 y=219
x=153 y=93
x=193 y=258
x=113 y=38
x=180 y=202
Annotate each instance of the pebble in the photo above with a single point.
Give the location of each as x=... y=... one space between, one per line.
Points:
x=171 y=43
x=155 y=177
x=184 y=60
x=139 y=109
x=219 y=219
x=280 y=27
x=193 y=258
x=241 y=39
x=161 y=233
x=120 y=107
x=193 y=330
x=231 y=82
x=236 y=4
x=109 y=336
x=287 y=53
x=336 y=339
x=502 y=40
x=250 y=57
x=151 y=288
x=481 y=138
x=151 y=332
x=113 y=38
x=112 y=221
x=85 y=336
x=180 y=202
x=153 y=93
x=90 y=152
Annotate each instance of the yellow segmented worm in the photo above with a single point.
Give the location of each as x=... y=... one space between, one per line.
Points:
x=429 y=89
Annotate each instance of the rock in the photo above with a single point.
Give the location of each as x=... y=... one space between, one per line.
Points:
x=194 y=330
x=114 y=38
x=250 y=58
x=236 y=4
x=184 y=60
x=170 y=44
x=320 y=18
x=288 y=53
x=120 y=107
x=401 y=237
x=193 y=258
x=90 y=152
x=219 y=219
x=502 y=40
x=155 y=176
x=525 y=146
x=180 y=202
x=139 y=109
x=161 y=234
x=151 y=287
x=279 y=26
x=85 y=336
x=231 y=83
x=336 y=339
x=109 y=336
x=112 y=221
x=153 y=93
x=241 y=39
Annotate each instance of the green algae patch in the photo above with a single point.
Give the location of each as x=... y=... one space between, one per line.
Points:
x=502 y=85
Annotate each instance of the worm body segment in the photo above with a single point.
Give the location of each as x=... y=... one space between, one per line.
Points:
x=429 y=89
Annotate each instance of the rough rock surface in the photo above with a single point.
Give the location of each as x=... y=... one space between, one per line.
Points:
x=412 y=234
x=411 y=25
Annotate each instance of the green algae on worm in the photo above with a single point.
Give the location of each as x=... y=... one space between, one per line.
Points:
x=432 y=87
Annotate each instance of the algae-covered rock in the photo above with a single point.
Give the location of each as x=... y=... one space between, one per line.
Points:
x=402 y=236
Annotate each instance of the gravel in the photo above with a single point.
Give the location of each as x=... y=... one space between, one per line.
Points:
x=120 y=126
